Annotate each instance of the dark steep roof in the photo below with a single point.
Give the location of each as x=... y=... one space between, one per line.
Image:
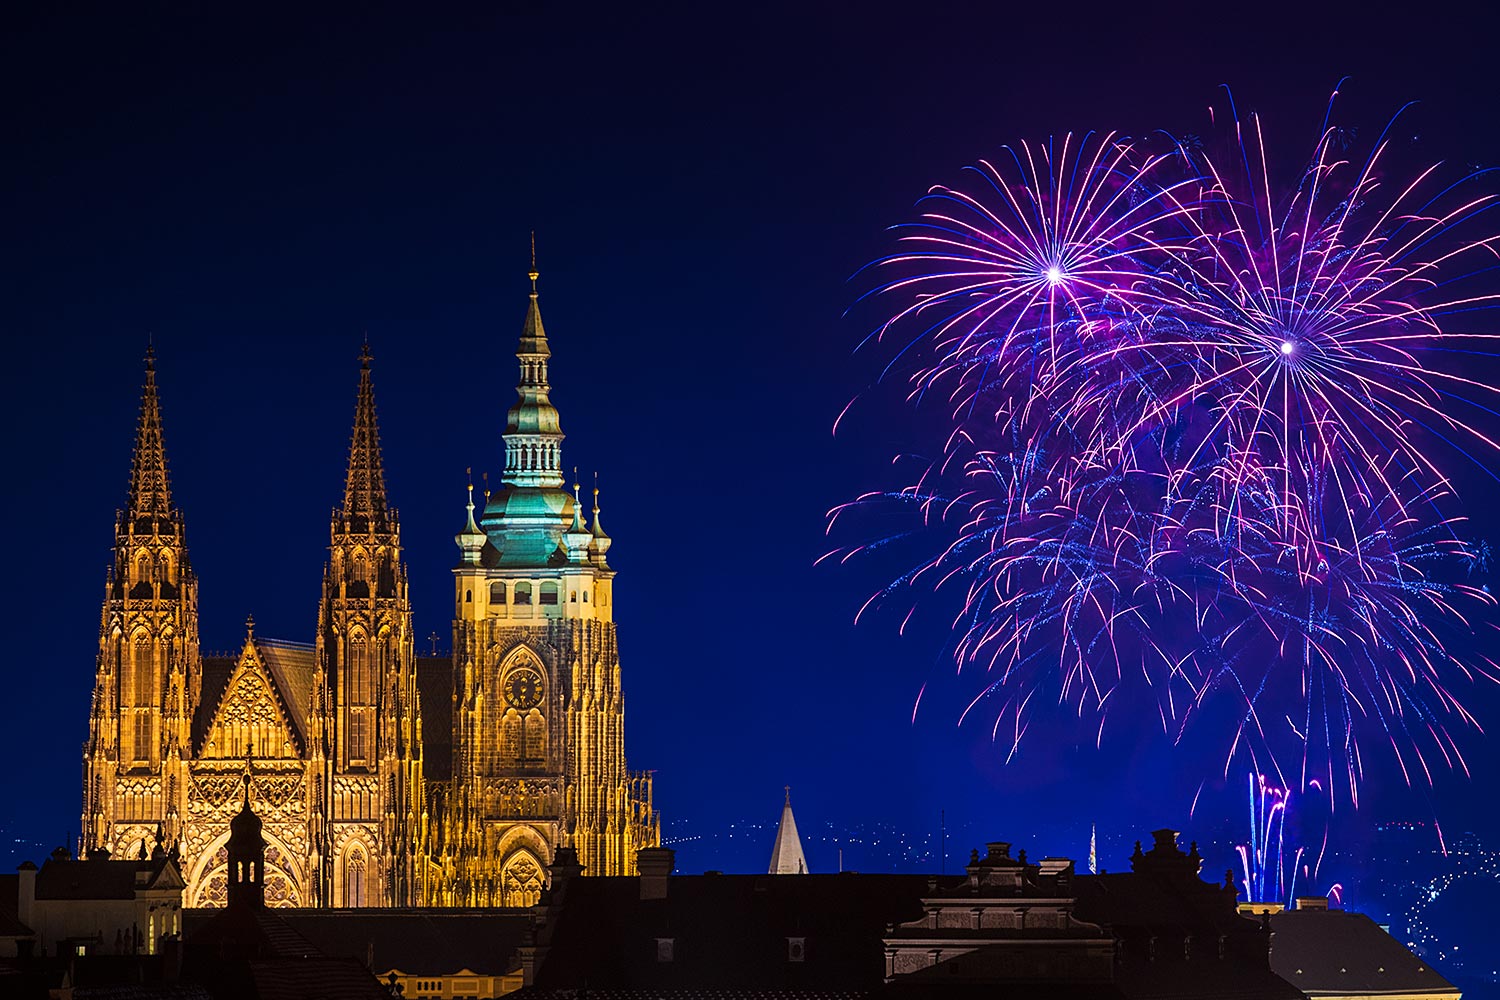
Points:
x=294 y=667
x=99 y=879
x=1335 y=951
x=435 y=689
x=729 y=931
x=430 y=941
x=216 y=672
x=315 y=979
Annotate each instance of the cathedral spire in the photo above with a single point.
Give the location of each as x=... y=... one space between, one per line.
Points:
x=364 y=487
x=150 y=490
x=533 y=437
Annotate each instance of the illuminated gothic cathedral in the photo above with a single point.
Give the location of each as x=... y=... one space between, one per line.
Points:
x=384 y=778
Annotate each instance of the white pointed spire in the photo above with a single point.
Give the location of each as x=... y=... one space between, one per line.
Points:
x=786 y=855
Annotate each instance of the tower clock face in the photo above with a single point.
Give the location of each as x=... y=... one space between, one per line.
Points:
x=524 y=689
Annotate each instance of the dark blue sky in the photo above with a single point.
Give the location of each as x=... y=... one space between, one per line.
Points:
x=257 y=193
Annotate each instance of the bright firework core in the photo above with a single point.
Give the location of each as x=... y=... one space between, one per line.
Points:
x=1287 y=347
x=1054 y=275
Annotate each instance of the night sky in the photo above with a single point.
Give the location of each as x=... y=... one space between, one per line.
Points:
x=258 y=194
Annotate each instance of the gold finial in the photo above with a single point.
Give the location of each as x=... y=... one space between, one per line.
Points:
x=250 y=625
x=532 y=274
x=486 y=478
x=596 y=493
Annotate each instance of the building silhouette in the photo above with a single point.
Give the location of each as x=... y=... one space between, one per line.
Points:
x=381 y=778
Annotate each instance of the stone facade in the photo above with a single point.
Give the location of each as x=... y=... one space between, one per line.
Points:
x=331 y=733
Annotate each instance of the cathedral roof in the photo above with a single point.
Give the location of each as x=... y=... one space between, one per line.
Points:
x=786 y=855
x=293 y=666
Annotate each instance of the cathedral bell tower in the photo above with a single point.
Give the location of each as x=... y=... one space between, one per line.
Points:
x=366 y=726
x=148 y=675
x=538 y=726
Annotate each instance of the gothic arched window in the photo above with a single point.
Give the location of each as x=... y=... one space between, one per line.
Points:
x=535 y=730
x=354 y=877
x=145 y=672
x=521 y=880
x=510 y=736
x=359 y=671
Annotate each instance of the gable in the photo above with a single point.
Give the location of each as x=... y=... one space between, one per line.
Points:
x=251 y=717
x=168 y=878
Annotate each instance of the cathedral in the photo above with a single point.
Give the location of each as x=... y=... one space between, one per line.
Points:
x=383 y=778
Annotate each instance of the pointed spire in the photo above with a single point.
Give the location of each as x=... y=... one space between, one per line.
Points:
x=599 y=547
x=533 y=336
x=150 y=489
x=533 y=437
x=578 y=525
x=364 y=486
x=470 y=541
x=598 y=528
x=470 y=528
x=786 y=855
x=576 y=539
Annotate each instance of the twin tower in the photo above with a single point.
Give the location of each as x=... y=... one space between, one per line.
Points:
x=383 y=778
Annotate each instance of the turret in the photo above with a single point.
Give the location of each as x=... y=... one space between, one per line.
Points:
x=247 y=858
x=601 y=541
x=470 y=541
x=577 y=538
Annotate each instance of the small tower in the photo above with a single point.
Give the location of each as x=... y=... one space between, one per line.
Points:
x=247 y=857
x=786 y=854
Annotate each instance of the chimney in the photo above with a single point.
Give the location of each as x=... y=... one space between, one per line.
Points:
x=564 y=866
x=997 y=850
x=1312 y=902
x=26 y=893
x=655 y=865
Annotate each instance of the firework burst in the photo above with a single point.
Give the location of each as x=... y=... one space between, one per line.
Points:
x=1190 y=446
